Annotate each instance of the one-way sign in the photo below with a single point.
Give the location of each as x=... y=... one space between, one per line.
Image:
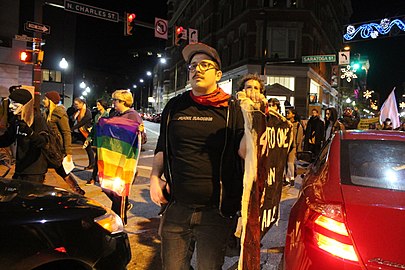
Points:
x=37 y=27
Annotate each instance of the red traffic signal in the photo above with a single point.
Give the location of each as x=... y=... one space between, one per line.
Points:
x=178 y=35
x=27 y=56
x=129 y=24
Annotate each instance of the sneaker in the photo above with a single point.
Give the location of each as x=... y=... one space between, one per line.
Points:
x=90 y=182
x=285 y=183
x=292 y=182
x=90 y=167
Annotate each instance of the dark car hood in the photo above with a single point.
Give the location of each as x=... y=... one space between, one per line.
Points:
x=27 y=201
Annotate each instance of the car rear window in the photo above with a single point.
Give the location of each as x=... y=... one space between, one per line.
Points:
x=379 y=164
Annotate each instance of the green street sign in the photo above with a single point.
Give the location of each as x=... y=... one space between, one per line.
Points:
x=319 y=58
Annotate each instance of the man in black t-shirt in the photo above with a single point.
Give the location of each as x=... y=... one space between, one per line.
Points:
x=197 y=151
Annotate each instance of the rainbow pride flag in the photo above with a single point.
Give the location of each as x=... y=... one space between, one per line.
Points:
x=118 y=143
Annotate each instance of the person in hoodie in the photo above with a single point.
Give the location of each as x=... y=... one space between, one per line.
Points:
x=314 y=134
x=199 y=151
x=332 y=124
x=29 y=129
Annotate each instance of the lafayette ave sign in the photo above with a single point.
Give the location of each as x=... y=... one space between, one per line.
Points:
x=37 y=27
x=91 y=11
x=319 y=58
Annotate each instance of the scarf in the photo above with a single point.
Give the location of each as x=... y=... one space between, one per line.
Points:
x=218 y=98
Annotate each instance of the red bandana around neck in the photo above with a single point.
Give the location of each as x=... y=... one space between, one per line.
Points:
x=218 y=98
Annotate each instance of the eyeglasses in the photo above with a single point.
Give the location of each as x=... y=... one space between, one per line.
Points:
x=203 y=66
x=114 y=100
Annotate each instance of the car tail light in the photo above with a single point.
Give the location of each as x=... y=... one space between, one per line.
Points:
x=330 y=232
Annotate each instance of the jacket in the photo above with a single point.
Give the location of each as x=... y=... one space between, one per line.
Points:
x=29 y=157
x=231 y=165
x=59 y=123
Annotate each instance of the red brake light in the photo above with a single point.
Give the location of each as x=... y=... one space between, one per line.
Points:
x=330 y=232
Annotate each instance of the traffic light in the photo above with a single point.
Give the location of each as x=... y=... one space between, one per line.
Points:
x=40 y=57
x=356 y=63
x=27 y=56
x=178 y=35
x=129 y=24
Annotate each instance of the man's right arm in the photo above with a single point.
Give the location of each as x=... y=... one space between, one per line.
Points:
x=157 y=184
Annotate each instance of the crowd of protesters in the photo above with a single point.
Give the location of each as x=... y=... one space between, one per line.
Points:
x=198 y=187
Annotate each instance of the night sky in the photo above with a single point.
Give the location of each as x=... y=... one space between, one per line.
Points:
x=386 y=55
x=102 y=45
x=108 y=48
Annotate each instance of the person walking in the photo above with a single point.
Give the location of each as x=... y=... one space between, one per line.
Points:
x=122 y=100
x=332 y=124
x=314 y=134
x=102 y=107
x=28 y=128
x=58 y=121
x=296 y=146
x=82 y=118
x=197 y=151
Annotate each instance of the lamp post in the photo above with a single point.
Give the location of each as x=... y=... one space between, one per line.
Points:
x=141 y=101
x=63 y=64
x=149 y=74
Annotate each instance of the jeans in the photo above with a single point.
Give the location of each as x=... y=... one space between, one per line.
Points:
x=183 y=228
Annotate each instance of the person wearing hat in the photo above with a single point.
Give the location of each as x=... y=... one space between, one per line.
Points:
x=58 y=121
x=197 y=151
x=26 y=129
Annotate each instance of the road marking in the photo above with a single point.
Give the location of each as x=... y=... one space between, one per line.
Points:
x=147 y=156
x=152 y=131
x=144 y=167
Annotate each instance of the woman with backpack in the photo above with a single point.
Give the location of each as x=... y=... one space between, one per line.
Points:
x=58 y=121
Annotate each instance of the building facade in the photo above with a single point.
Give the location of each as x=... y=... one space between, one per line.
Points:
x=267 y=37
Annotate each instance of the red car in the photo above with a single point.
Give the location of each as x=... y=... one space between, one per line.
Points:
x=350 y=213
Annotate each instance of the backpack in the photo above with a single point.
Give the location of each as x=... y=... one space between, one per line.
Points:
x=53 y=150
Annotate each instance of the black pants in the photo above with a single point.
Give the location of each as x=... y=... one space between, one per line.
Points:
x=119 y=204
x=36 y=178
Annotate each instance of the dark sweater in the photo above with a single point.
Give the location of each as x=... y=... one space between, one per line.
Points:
x=29 y=158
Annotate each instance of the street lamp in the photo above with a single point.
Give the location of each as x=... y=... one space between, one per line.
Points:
x=63 y=64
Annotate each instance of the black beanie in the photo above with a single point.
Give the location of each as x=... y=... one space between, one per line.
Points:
x=21 y=96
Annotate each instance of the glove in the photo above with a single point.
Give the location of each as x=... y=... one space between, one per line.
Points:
x=23 y=129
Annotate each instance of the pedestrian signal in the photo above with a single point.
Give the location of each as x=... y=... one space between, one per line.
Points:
x=27 y=56
x=178 y=35
x=129 y=24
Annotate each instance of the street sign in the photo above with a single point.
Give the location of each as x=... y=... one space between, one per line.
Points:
x=344 y=58
x=319 y=58
x=91 y=11
x=192 y=35
x=26 y=38
x=37 y=27
x=161 y=28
